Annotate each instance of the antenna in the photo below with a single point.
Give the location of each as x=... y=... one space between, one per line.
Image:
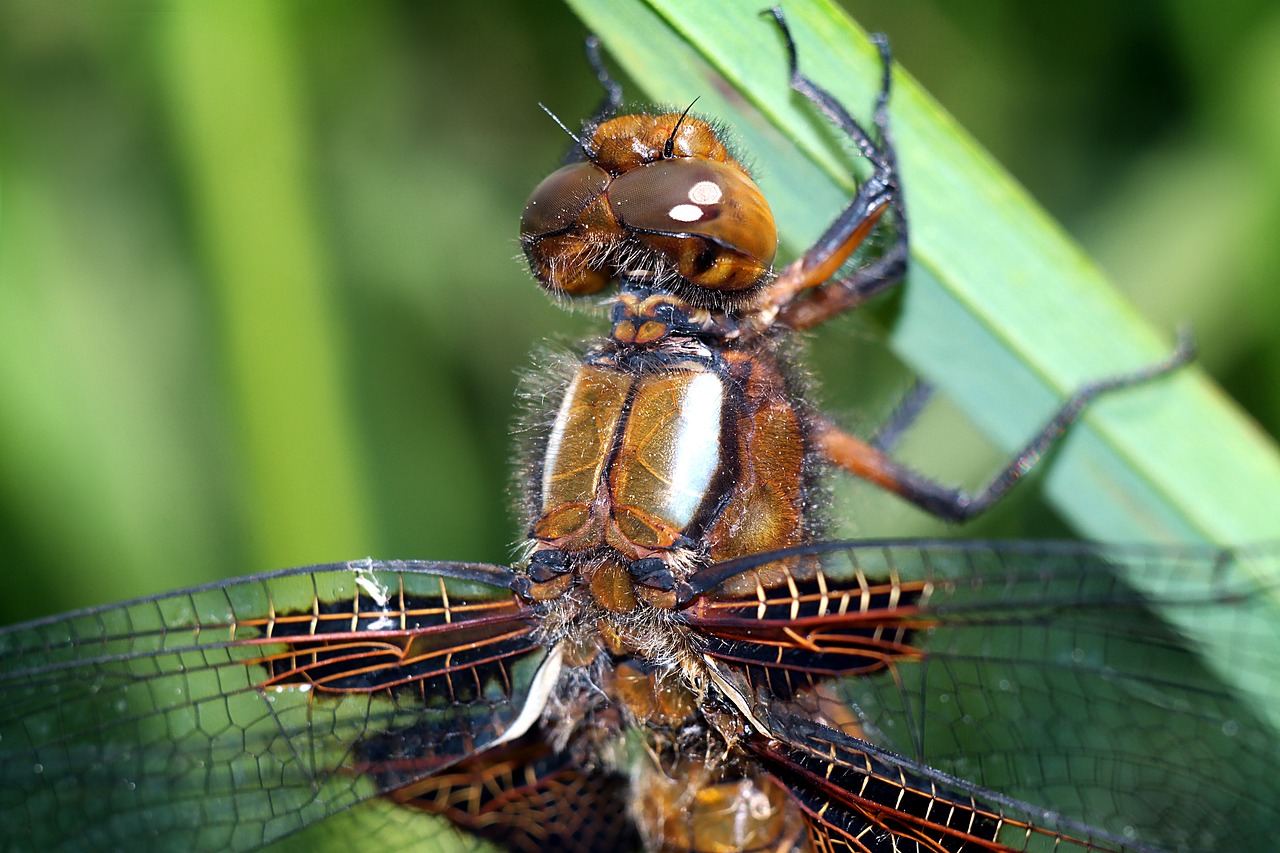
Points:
x=585 y=150
x=669 y=148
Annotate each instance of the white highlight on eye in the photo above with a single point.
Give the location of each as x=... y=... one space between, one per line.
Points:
x=705 y=192
x=685 y=213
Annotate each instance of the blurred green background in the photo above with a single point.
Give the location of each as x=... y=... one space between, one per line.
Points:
x=260 y=302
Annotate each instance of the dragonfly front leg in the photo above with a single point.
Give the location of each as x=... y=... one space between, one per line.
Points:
x=812 y=275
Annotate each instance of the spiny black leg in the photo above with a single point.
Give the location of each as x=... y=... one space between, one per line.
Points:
x=905 y=413
x=612 y=88
x=871 y=463
x=880 y=116
x=880 y=191
x=885 y=183
x=830 y=106
x=1069 y=413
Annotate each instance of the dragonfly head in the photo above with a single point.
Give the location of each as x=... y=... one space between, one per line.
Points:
x=657 y=198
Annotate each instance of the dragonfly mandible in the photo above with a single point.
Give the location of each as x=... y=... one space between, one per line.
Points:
x=680 y=662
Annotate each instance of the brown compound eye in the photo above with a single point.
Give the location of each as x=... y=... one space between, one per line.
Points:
x=708 y=218
x=564 y=219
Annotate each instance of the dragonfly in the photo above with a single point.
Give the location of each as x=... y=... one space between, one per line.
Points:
x=679 y=660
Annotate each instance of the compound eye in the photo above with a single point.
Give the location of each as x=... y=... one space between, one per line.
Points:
x=560 y=200
x=562 y=226
x=708 y=218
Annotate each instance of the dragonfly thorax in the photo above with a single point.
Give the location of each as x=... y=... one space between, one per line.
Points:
x=664 y=458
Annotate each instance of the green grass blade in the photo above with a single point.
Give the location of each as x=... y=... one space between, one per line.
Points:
x=239 y=119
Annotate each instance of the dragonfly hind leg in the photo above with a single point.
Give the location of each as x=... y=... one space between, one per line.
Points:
x=871 y=463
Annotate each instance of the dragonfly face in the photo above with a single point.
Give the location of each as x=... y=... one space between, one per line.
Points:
x=681 y=663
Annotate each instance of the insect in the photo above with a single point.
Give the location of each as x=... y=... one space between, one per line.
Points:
x=679 y=661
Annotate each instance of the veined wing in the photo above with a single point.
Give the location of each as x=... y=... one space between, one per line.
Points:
x=1039 y=670
x=522 y=795
x=529 y=797
x=227 y=716
x=857 y=798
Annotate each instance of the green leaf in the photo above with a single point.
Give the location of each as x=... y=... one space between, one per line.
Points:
x=1002 y=310
x=234 y=67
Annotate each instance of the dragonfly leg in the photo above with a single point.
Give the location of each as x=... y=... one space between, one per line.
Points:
x=878 y=195
x=870 y=462
x=581 y=149
x=909 y=408
x=548 y=575
x=608 y=106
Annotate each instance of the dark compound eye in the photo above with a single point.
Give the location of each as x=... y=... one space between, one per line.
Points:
x=709 y=218
x=706 y=217
x=565 y=218
x=561 y=199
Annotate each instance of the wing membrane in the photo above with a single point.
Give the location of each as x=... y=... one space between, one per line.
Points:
x=230 y=715
x=529 y=797
x=858 y=798
x=1038 y=670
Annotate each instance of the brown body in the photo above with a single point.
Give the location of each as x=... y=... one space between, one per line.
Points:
x=698 y=460
x=677 y=443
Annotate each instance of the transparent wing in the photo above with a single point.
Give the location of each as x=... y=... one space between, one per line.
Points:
x=524 y=796
x=1088 y=682
x=227 y=716
x=860 y=799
